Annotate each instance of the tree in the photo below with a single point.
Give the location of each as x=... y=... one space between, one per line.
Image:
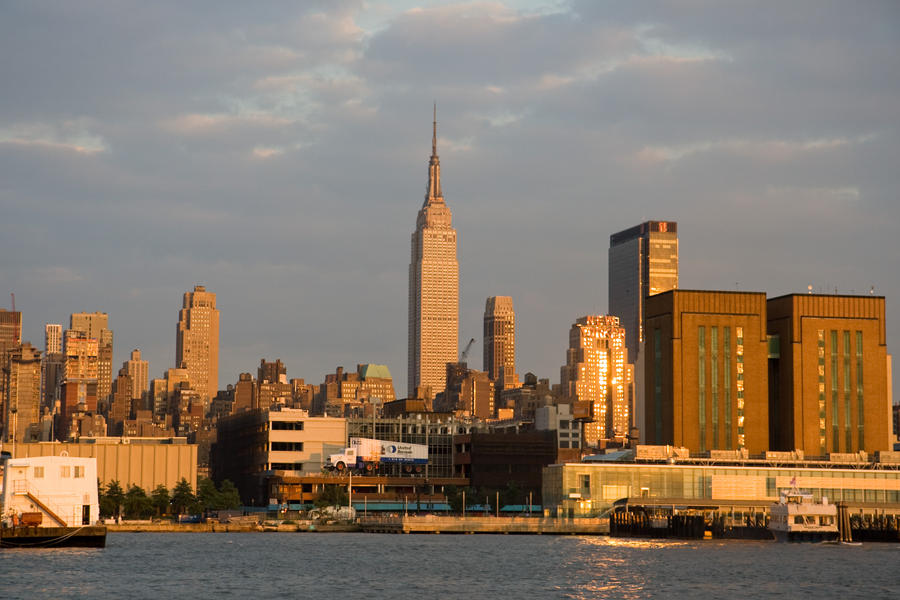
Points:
x=111 y=499
x=231 y=498
x=455 y=497
x=512 y=494
x=183 y=499
x=208 y=497
x=137 y=504
x=332 y=495
x=160 y=499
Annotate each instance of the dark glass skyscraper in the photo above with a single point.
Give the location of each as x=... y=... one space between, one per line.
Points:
x=643 y=261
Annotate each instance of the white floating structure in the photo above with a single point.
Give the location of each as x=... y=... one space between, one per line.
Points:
x=61 y=489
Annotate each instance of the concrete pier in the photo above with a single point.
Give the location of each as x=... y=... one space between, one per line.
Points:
x=493 y=525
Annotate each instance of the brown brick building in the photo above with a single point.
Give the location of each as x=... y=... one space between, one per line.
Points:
x=705 y=370
x=829 y=374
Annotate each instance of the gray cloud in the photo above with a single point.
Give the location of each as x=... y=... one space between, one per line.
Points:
x=278 y=155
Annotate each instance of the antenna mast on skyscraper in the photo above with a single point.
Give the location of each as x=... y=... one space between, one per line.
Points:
x=13 y=298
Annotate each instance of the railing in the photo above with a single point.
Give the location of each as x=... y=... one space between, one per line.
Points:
x=21 y=487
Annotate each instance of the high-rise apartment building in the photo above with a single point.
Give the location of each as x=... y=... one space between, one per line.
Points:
x=51 y=369
x=197 y=343
x=433 y=288
x=500 y=341
x=96 y=325
x=22 y=376
x=139 y=372
x=79 y=387
x=10 y=329
x=643 y=261
x=10 y=338
x=597 y=373
x=53 y=338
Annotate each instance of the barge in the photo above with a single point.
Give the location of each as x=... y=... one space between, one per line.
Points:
x=50 y=502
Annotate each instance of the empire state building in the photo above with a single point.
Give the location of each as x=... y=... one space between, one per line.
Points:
x=433 y=288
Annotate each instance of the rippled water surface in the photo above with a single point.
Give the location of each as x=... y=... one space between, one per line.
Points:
x=431 y=567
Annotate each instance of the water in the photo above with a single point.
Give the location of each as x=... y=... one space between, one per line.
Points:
x=433 y=567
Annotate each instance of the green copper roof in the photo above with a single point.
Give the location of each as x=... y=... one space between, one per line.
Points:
x=380 y=371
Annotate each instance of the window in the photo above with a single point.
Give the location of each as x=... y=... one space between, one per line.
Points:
x=287 y=446
x=79 y=471
x=836 y=439
x=287 y=425
x=860 y=405
x=65 y=471
x=38 y=472
x=287 y=466
x=701 y=381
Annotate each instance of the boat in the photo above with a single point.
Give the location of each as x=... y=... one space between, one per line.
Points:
x=50 y=501
x=797 y=517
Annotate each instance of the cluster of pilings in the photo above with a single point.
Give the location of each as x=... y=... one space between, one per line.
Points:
x=869 y=527
x=636 y=523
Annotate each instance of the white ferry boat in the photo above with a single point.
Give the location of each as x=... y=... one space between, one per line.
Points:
x=797 y=517
x=49 y=501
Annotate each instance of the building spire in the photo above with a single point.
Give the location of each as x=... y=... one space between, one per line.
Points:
x=433 y=193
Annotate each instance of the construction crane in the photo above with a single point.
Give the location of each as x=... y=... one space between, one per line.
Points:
x=465 y=353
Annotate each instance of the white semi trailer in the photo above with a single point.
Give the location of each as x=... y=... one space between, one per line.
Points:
x=365 y=455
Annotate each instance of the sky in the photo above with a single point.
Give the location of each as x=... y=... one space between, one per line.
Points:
x=276 y=152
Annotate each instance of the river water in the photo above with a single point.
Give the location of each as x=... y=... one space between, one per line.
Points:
x=431 y=567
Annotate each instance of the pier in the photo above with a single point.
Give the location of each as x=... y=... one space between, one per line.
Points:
x=484 y=525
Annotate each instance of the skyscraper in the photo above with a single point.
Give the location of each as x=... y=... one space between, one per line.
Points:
x=96 y=325
x=10 y=338
x=596 y=372
x=500 y=341
x=53 y=338
x=433 y=288
x=139 y=372
x=643 y=261
x=23 y=385
x=197 y=341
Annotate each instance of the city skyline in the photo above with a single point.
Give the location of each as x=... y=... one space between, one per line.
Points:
x=281 y=177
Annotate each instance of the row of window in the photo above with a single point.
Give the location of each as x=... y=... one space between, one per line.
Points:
x=287 y=425
x=76 y=471
x=298 y=466
x=287 y=446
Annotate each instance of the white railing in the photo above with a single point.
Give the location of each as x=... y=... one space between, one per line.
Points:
x=22 y=487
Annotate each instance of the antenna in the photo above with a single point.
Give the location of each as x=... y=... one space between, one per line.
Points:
x=13 y=298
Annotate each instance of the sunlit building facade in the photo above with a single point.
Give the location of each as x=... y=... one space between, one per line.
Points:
x=197 y=342
x=433 y=289
x=96 y=325
x=500 y=342
x=705 y=371
x=597 y=373
x=828 y=372
x=22 y=376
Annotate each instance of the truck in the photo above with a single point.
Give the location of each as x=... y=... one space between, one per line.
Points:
x=366 y=455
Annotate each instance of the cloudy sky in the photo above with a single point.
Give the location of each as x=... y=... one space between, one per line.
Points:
x=276 y=152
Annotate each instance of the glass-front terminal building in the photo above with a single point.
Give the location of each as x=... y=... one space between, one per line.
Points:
x=589 y=489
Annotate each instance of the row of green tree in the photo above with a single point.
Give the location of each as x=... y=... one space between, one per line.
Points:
x=486 y=497
x=336 y=495
x=135 y=503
